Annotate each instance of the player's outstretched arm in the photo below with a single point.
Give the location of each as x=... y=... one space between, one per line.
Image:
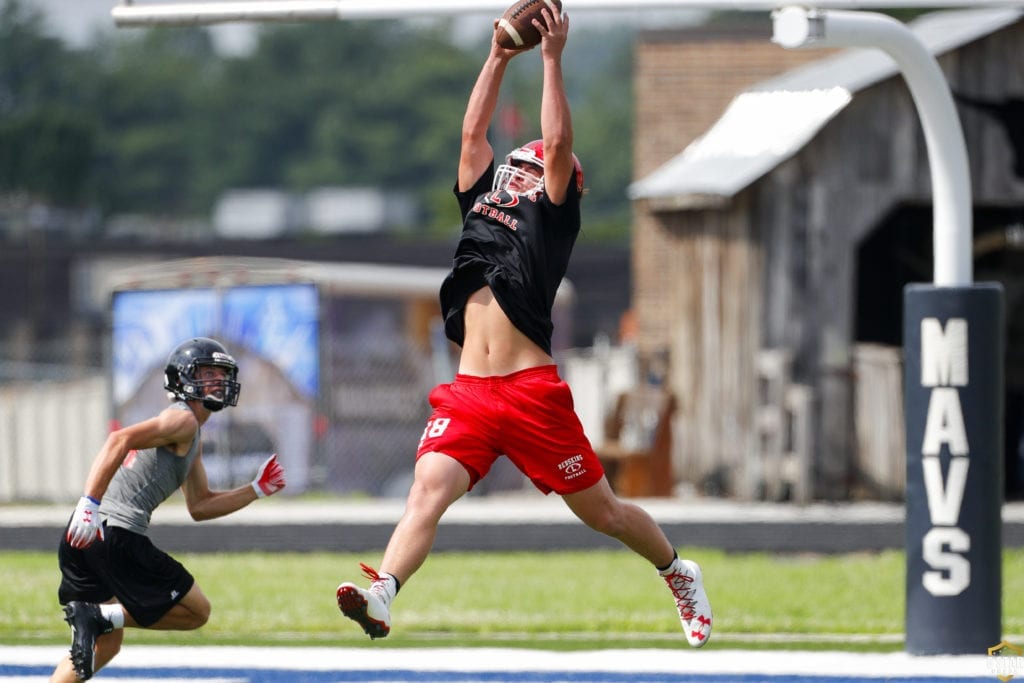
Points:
x=476 y=151
x=205 y=504
x=555 y=115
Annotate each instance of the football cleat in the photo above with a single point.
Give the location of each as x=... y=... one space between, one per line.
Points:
x=368 y=608
x=687 y=586
x=87 y=623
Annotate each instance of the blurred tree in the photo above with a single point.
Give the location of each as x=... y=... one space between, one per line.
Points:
x=603 y=124
x=365 y=103
x=150 y=107
x=155 y=121
x=47 y=137
x=46 y=153
x=31 y=63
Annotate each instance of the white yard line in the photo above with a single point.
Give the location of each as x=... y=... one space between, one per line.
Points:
x=486 y=660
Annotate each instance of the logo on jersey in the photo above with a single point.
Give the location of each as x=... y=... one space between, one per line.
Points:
x=500 y=200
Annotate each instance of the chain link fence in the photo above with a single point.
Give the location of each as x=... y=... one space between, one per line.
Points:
x=56 y=410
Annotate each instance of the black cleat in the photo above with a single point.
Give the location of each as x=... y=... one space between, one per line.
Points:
x=86 y=623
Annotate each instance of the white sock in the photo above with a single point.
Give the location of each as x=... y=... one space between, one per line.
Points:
x=114 y=613
x=388 y=588
x=675 y=568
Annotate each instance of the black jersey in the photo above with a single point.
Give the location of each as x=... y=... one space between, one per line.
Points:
x=517 y=245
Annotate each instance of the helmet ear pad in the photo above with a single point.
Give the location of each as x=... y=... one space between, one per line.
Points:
x=171 y=378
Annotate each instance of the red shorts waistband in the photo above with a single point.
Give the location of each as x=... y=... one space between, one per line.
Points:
x=539 y=371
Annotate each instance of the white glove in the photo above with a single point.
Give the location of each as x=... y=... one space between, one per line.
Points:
x=270 y=479
x=85 y=524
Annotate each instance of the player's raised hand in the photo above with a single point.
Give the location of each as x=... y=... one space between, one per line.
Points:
x=554 y=31
x=499 y=47
x=270 y=479
x=85 y=524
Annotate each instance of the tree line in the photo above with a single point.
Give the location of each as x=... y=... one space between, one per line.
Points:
x=155 y=121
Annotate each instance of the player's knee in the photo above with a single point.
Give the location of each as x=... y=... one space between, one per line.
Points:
x=202 y=615
x=199 y=612
x=605 y=519
x=428 y=502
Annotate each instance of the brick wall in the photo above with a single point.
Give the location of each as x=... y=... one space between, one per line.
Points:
x=683 y=82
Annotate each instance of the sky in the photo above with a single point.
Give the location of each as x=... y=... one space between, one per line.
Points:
x=76 y=21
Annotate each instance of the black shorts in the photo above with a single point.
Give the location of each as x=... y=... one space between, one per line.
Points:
x=127 y=566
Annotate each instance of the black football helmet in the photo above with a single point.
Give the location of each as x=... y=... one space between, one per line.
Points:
x=180 y=374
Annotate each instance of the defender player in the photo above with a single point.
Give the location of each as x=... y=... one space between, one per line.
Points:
x=112 y=576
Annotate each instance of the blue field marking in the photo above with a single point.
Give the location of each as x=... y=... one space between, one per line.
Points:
x=149 y=664
x=414 y=676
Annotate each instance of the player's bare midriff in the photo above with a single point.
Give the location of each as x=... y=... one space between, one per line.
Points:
x=493 y=346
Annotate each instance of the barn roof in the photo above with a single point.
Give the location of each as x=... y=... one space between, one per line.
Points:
x=772 y=120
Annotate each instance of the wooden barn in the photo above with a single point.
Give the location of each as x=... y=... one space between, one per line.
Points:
x=782 y=200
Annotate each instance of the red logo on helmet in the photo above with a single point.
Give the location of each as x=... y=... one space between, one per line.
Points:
x=533 y=153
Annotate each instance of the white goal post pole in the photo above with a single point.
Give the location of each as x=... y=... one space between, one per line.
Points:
x=796 y=27
x=127 y=14
x=954 y=335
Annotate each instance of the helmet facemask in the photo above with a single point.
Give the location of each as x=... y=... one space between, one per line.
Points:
x=216 y=393
x=517 y=180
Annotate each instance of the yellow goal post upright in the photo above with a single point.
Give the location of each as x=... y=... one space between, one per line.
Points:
x=953 y=329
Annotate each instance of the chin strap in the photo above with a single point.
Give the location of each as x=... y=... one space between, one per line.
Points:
x=213 y=404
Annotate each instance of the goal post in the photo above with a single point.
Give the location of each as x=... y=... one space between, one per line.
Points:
x=135 y=14
x=953 y=329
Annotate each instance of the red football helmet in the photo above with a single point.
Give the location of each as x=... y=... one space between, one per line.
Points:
x=530 y=153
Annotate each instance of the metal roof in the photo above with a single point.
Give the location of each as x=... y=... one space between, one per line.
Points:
x=772 y=120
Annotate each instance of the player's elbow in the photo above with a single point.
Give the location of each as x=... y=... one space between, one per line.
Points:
x=558 y=144
x=200 y=513
x=117 y=443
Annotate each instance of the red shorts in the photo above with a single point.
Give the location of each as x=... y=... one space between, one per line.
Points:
x=527 y=416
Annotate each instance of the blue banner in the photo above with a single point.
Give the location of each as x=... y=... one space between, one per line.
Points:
x=279 y=323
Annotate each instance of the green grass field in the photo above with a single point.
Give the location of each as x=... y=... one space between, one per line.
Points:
x=562 y=600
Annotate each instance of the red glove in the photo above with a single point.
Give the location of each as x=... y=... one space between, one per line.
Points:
x=270 y=479
x=85 y=524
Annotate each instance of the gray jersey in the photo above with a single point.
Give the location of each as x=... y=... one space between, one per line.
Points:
x=143 y=481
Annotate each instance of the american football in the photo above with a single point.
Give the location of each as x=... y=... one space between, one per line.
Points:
x=515 y=27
